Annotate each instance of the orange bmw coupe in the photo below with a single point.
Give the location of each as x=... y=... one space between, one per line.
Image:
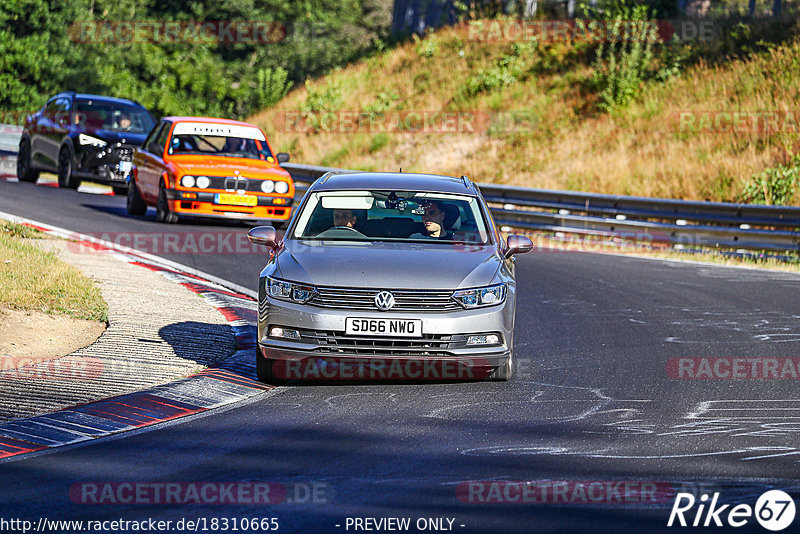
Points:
x=207 y=167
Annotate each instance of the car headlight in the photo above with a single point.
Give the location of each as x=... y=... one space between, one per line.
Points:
x=281 y=188
x=90 y=140
x=203 y=182
x=187 y=181
x=289 y=291
x=481 y=296
x=268 y=186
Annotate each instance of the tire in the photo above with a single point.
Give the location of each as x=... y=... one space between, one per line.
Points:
x=25 y=173
x=264 y=368
x=135 y=204
x=163 y=214
x=119 y=190
x=504 y=371
x=65 y=176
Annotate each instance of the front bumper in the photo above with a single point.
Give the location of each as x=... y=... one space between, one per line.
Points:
x=291 y=364
x=268 y=208
x=440 y=354
x=103 y=165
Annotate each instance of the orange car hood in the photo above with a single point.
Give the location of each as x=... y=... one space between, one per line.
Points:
x=224 y=166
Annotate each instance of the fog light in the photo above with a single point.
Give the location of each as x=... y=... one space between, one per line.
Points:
x=486 y=339
x=288 y=333
x=189 y=195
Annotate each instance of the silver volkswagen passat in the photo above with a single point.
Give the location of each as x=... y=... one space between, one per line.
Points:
x=387 y=276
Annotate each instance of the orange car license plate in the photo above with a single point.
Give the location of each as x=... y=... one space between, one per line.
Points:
x=235 y=200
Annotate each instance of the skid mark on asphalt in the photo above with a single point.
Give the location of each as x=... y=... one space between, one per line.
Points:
x=756 y=325
x=610 y=419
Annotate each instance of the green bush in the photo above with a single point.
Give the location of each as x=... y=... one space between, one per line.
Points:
x=510 y=68
x=384 y=101
x=427 y=47
x=378 y=141
x=624 y=63
x=272 y=86
x=42 y=56
x=778 y=185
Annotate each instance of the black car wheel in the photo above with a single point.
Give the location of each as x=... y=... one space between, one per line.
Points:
x=25 y=173
x=163 y=214
x=65 y=176
x=135 y=204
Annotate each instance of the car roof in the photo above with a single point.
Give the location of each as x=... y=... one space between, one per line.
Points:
x=84 y=96
x=394 y=181
x=209 y=120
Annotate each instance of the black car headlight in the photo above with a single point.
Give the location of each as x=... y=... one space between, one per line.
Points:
x=481 y=296
x=85 y=139
x=290 y=291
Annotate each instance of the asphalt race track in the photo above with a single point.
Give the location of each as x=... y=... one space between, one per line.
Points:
x=592 y=405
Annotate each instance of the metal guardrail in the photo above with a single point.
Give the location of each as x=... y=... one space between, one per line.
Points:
x=643 y=220
x=638 y=219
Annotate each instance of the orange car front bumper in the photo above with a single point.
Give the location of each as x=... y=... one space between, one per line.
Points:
x=268 y=208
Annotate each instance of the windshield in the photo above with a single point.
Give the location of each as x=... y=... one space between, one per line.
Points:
x=392 y=216
x=219 y=140
x=114 y=117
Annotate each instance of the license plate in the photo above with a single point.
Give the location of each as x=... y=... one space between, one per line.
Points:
x=235 y=200
x=354 y=326
x=125 y=167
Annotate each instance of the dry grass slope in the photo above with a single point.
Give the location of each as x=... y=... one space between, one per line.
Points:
x=640 y=151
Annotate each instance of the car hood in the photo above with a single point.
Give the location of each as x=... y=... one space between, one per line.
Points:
x=112 y=137
x=223 y=166
x=387 y=265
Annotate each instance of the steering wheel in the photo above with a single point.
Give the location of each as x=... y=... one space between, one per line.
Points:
x=340 y=231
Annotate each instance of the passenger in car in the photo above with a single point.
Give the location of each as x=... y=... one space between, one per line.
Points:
x=433 y=219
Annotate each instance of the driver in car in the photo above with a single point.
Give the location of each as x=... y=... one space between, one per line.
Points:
x=124 y=122
x=343 y=217
x=433 y=219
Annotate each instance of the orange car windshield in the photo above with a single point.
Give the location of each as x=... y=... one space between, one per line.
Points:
x=212 y=145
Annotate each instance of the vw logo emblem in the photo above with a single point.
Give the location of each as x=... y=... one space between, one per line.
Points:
x=384 y=300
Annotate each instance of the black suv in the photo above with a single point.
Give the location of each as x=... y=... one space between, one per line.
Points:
x=83 y=137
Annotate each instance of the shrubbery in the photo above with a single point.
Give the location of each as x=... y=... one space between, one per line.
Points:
x=204 y=78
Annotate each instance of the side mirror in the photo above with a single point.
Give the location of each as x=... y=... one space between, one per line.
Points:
x=282 y=157
x=518 y=244
x=263 y=235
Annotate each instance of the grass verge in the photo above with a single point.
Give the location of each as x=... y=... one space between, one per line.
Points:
x=32 y=279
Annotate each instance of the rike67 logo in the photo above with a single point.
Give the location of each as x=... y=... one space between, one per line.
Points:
x=774 y=510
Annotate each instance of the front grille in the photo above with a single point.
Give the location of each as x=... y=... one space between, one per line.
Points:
x=124 y=152
x=230 y=183
x=338 y=343
x=414 y=300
